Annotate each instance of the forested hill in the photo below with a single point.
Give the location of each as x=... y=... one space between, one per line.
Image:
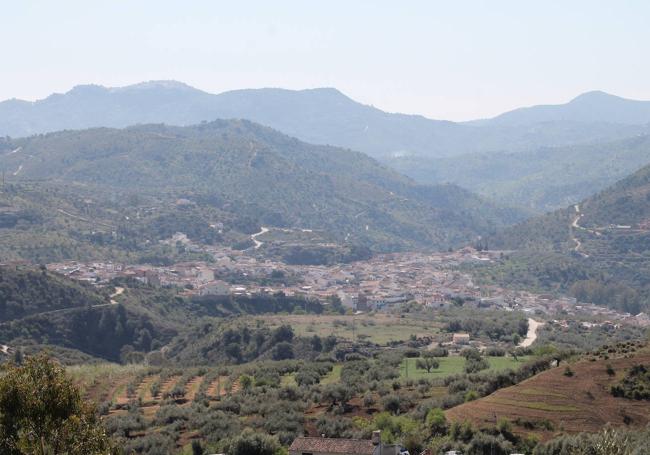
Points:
x=622 y=210
x=24 y=292
x=599 y=249
x=256 y=172
x=541 y=180
x=322 y=116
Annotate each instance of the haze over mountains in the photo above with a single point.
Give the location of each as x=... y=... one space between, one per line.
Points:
x=469 y=154
x=326 y=116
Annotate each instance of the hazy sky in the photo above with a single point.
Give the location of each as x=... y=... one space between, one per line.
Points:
x=450 y=60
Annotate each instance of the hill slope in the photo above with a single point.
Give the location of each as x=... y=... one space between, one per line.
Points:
x=553 y=401
x=620 y=211
x=540 y=180
x=322 y=116
x=598 y=249
x=255 y=172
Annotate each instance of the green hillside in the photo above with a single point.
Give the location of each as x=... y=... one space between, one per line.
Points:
x=540 y=179
x=249 y=172
x=599 y=250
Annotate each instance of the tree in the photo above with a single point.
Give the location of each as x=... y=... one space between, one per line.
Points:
x=437 y=422
x=475 y=365
x=316 y=343
x=427 y=363
x=337 y=394
x=41 y=412
x=246 y=382
x=252 y=443
x=282 y=351
x=284 y=333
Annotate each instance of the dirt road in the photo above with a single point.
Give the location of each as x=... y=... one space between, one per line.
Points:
x=118 y=291
x=531 y=336
x=254 y=237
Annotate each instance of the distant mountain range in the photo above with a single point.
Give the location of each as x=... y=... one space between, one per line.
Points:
x=258 y=173
x=515 y=158
x=322 y=116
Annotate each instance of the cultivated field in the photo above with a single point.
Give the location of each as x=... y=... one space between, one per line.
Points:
x=554 y=401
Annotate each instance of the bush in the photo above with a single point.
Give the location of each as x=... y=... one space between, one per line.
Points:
x=391 y=403
x=473 y=365
x=471 y=353
x=495 y=352
x=436 y=352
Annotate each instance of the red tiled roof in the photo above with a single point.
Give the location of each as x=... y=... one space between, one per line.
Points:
x=331 y=445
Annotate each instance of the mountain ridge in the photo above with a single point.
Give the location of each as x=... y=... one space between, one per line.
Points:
x=316 y=115
x=263 y=174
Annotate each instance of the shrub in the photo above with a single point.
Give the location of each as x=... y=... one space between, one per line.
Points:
x=473 y=365
x=495 y=352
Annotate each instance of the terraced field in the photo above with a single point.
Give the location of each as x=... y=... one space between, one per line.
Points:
x=554 y=401
x=117 y=388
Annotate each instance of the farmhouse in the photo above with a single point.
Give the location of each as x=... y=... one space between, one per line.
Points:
x=460 y=338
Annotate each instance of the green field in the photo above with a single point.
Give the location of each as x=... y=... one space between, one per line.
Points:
x=454 y=365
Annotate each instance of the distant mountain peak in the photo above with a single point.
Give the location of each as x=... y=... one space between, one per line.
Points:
x=594 y=95
x=157 y=84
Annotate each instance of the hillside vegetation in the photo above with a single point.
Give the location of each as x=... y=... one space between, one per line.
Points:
x=24 y=292
x=259 y=174
x=540 y=179
x=597 y=250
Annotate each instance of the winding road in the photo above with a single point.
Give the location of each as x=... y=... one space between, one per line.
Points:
x=575 y=225
x=118 y=291
x=254 y=237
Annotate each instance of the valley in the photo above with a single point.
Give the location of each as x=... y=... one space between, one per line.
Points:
x=208 y=282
